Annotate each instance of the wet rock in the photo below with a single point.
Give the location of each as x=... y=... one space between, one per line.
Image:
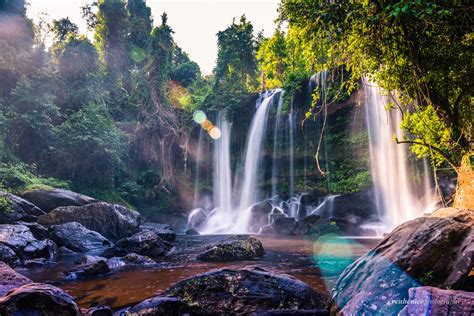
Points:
x=8 y=256
x=306 y=226
x=178 y=221
x=39 y=232
x=111 y=221
x=132 y=259
x=38 y=263
x=237 y=248
x=192 y=232
x=245 y=291
x=16 y=237
x=283 y=225
x=17 y=209
x=163 y=306
x=164 y=231
x=48 y=200
x=434 y=301
x=40 y=249
x=268 y=230
x=10 y=279
x=197 y=218
x=78 y=238
x=425 y=251
x=259 y=215
x=145 y=243
x=38 y=299
x=66 y=251
x=313 y=312
x=89 y=259
x=460 y=215
x=360 y=204
x=97 y=310
x=88 y=270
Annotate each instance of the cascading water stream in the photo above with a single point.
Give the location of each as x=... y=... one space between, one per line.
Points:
x=199 y=159
x=229 y=217
x=276 y=136
x=395 y=196
x=249 y=190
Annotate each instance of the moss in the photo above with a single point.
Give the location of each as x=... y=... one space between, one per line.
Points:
x=6 y=205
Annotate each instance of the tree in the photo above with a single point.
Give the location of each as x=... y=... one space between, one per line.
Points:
x=31 y=115
x=63 y=28
x=422 y=49
x=162 y=46
x=236 y=54
x=111 y=39
x=272 y=58
x=185 y=71
x=14 y=7
x=16 y=44
x=91 y=148
x=141 y=24
x=77 y=63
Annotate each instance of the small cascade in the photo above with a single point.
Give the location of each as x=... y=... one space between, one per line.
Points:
x=398 y=199
x=326 y=208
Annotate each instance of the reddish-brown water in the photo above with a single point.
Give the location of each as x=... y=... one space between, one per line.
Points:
x=316 y=262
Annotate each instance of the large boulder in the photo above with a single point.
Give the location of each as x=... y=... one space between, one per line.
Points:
x=145 y=243
x=236 y=248
x=38 y=299
x=39 y=231
x=245 y=291
x=8 y=256
x=40 y=249
x=17 y=237
x=48 y=200
x=10 y=279
x=259 y=215
x=345 y=206
x=164 y=231
x=163 y=306
x=307 y=226
x=13 y=208
x=112 y=221
x=280 y=226
x=77 y=238
x=429 y=251
x=428 y=300
x=20 y=239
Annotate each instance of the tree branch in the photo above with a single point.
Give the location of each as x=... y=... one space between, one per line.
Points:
x=441 y=152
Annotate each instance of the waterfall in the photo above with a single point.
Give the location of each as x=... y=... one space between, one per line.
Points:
x=218 y=219
x=249 y=190
x=276 y=134
x=395 y=193
x=291 y=151
x=229 y=217
x=199 y=159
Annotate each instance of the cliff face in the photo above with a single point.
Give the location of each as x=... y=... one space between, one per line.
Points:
x=465 y=190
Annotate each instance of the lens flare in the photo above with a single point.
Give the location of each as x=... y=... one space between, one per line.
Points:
x=199 y=117
x=207 y=125
x=215 y=132
x=332 y=255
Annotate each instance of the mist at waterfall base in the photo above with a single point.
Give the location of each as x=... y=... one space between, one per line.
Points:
x=237 y=192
